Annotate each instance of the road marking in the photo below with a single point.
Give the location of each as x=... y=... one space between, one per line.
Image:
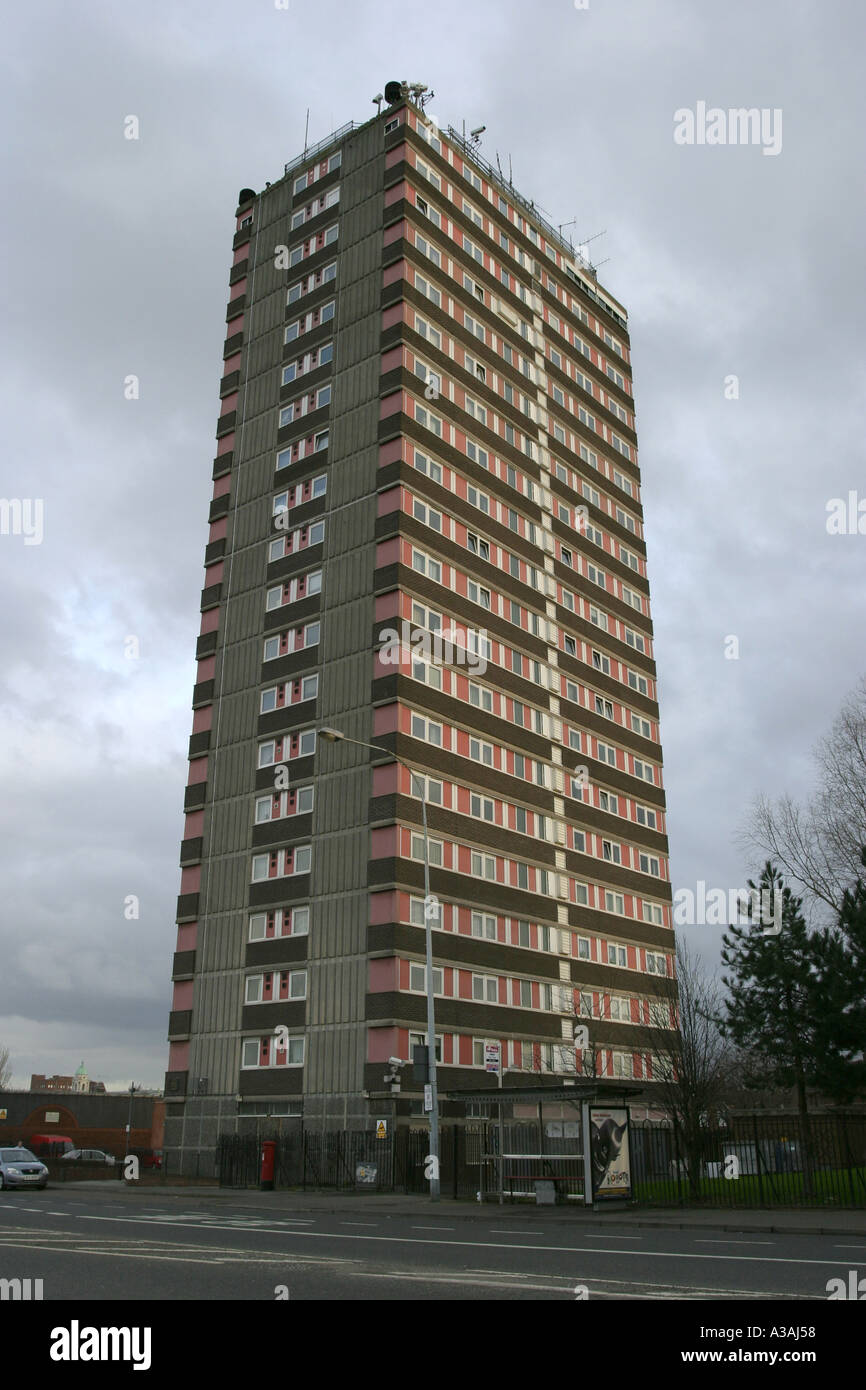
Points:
x=506 y=1232
x=432 y=1228
x=849 y=1247
x=609 y=1235
x=503 y=1245
x=707 y=1241
x=359 y=1223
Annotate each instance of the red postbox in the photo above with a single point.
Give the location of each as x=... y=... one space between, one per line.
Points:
x=269 y=1150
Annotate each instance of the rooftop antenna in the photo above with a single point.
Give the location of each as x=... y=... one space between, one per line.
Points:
x=306 y=132
x=582 y=244
x=510 y=180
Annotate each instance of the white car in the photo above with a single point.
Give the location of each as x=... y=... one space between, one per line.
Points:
x=87 y=1156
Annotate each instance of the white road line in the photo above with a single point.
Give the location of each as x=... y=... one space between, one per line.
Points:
x=359 y=1223
x=707 y=1241
x=506 y=1232
x=432 y=1228
x=504 y=1245
x=609 y=1235
x=849 y=1247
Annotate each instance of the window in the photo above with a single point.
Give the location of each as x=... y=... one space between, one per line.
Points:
x=611 y=852
x=435 y=849
x=484 y=866
x=652 y=912
x=484 y=925
x=649 y=864
x=418 y=978
x=601 y=662
x=485 y=988
x=420 y=1040
x=613 y=902
x=427 y=730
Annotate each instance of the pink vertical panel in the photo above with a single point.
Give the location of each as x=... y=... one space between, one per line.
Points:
x=178 y=1056
x=383 y=1043
x=383 y=842
x=385 y=719
x=384 y=907
x=197 y=771
x=190 y=879
x=202 y=718
x=390 y=452
x=385 y=779
x=383 y=975
x=182 y=996
x=391 y=359
x=390 y=405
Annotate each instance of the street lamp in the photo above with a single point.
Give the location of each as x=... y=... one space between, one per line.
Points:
x=336 y=736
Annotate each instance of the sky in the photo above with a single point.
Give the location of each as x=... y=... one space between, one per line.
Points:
x=742 y=273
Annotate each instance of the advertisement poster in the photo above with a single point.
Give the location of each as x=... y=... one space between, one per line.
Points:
x=611 y=1169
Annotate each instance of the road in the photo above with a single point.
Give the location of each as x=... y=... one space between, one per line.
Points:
x=134 y=1244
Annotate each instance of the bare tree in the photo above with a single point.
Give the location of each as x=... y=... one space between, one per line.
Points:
x=693 y=1065
x=5 y=1069
x=819 y=845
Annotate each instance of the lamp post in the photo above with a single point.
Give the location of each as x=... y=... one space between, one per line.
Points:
x=335 y=736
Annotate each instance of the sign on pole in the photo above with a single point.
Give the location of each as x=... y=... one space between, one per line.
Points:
x=428 y=1097
x=491 y=1057
x=381 y=1129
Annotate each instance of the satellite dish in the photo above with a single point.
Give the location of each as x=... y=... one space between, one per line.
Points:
x=393 y=92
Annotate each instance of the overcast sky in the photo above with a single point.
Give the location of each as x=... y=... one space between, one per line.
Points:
x=729 y=261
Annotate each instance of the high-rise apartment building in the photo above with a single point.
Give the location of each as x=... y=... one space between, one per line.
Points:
x=426 y=532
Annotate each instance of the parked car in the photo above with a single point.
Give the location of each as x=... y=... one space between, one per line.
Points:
x=148 y=1158
x=20 y=1168
x=87 y=1156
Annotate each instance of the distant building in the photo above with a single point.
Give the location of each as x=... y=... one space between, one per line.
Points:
x=79 y=1084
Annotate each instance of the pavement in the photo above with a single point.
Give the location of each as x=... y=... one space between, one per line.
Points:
x=794 y=1221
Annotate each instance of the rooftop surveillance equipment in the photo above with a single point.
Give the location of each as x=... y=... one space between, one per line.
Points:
x=394 y=92
x=478 y=132
x=378 y=101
